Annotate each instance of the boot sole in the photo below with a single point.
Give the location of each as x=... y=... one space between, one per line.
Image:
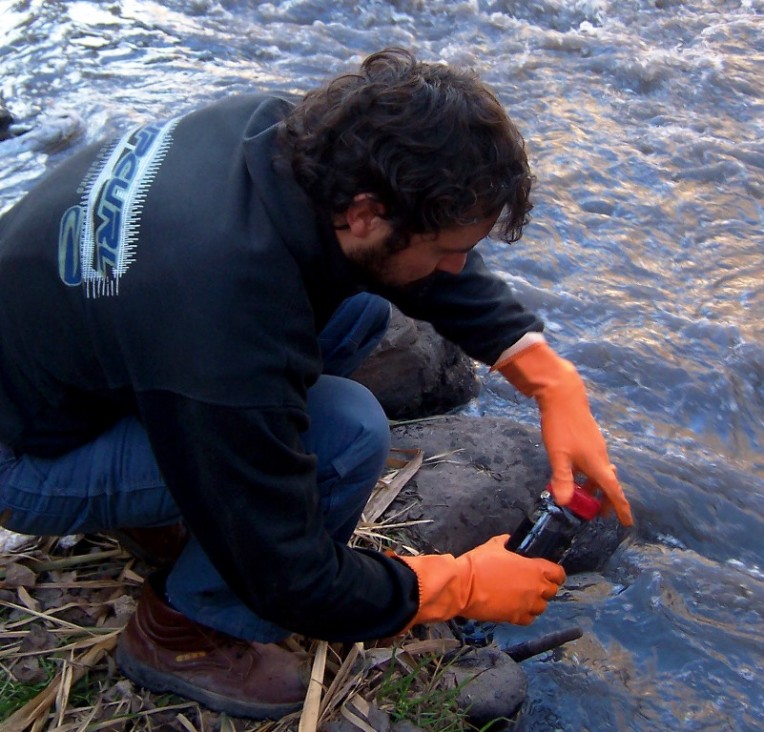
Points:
x=148 y=677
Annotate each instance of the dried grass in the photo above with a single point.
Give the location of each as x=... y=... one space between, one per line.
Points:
x=63 y=605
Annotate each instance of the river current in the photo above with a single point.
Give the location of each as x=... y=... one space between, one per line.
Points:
x=644 y=123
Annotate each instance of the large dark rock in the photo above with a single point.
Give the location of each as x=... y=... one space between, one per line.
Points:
x=49 y=133
x=491 y=685
x=415 y=372
x=6 y=120
x=486 y=477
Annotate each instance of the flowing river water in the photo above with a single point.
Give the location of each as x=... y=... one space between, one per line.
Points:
x=644 y=123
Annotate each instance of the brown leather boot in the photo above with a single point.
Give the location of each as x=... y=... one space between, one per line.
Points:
x=165 y=651
x=159 y=545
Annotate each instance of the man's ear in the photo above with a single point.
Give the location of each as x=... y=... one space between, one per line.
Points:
x=365 y=215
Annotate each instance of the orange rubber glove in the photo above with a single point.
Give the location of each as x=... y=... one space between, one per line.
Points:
x=571 y=436
x=486 y=583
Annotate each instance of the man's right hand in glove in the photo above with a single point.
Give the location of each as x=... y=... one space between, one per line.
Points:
x=488 y=583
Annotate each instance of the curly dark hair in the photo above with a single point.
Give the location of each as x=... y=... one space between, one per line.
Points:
x=431 y=143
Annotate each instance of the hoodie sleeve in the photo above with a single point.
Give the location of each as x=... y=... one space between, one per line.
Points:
x=248 y=492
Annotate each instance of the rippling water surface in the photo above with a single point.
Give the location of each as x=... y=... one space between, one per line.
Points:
x=644 y=121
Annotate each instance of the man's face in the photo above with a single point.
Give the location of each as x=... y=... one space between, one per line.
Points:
x=386 y=263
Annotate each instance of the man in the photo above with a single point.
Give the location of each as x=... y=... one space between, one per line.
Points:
x=180 y=308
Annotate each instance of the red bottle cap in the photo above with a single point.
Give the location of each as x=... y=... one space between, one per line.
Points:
x=583 y=504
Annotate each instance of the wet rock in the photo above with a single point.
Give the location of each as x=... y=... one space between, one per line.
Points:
x=6 y=120
x=49 y=133
x=491 y=685
x=594 y=546
x=405 y=726
x=487 y=479
x=415 y=372
x=372 y=716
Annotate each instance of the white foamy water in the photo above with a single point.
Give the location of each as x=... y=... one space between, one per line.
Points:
x=644 y=123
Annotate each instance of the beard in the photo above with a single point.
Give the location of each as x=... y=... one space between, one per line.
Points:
x=377 y=267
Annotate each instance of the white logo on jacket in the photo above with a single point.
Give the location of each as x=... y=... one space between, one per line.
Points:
x=97 y=238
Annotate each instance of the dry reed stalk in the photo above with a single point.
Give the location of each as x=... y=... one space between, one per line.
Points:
x=49 y=615
x=312 y=708
x=338 y=688
x=405 y=464
x=44 y=565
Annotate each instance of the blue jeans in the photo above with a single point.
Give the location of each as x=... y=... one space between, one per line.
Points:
x=114 y=481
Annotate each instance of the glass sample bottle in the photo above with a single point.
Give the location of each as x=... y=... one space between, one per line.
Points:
x=551 y=529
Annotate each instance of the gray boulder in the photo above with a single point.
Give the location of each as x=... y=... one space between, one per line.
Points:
x=415 y=372
x=491 y=685
x=485 y=478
